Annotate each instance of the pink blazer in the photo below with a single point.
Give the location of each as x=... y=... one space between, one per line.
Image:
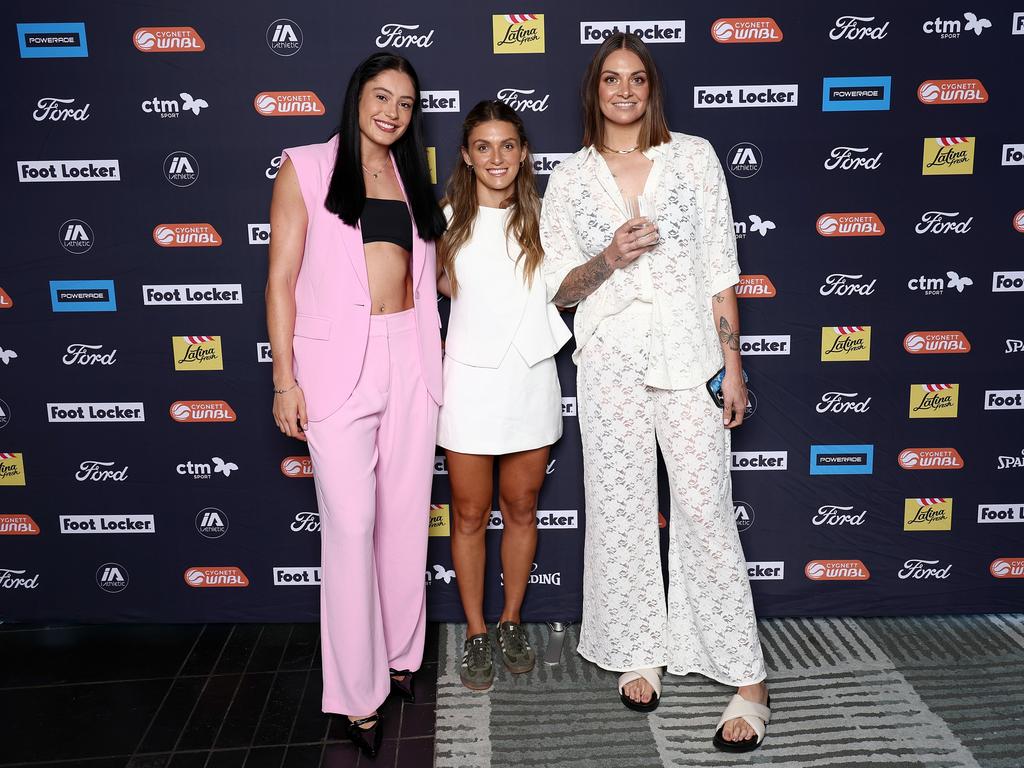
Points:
x=332 y=296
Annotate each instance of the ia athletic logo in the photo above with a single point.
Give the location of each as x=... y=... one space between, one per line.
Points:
x=744 y=514
x=745 y=160
x=212 y=523
x=284 y=37
x=112 y=578
x=76 y=236
x=181 y=169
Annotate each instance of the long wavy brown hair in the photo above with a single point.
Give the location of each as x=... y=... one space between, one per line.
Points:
x=460 y=194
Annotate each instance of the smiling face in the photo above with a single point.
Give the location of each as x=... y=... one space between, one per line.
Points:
x=495 y=151
x=623 y=88
x=385 y=107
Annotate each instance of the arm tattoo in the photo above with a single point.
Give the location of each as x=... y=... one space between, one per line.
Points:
x=719 y=298
x=582 y=281
x=729 y=337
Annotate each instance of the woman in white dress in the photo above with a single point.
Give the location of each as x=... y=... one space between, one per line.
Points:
x=501 y=391
x=657 y=317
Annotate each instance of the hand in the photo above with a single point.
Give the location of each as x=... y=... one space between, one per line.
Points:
x=290 y=413
x=631 y=241
x=734 y=392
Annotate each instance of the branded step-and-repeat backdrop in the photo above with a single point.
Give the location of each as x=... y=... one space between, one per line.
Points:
x=875 y=158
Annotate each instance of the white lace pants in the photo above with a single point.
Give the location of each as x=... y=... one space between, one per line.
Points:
x=708 y=625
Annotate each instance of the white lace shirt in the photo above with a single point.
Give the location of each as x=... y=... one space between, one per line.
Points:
x=695 y=259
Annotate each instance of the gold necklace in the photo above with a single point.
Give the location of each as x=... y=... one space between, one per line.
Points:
x=377 y=173
x=634 y=148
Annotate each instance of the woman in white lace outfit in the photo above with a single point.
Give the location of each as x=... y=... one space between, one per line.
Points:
x=657 y=317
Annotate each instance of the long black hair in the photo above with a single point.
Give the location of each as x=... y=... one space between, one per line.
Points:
x=346 y=194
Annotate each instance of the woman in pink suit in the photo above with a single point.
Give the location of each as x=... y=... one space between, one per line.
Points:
x=355 y=334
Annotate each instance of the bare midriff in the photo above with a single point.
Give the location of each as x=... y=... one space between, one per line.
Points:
x=389 y=275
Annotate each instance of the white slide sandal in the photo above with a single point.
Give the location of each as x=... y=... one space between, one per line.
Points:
x=754 y=714
x=653 y=678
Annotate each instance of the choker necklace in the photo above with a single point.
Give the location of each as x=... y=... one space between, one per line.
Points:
x=378 y=172
x=634 y=148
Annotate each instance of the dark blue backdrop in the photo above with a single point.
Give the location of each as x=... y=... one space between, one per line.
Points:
x=139 y=171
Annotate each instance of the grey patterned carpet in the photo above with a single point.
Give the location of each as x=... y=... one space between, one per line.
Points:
x=933 y=692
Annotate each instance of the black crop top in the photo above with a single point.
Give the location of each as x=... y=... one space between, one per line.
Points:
x=386 y=221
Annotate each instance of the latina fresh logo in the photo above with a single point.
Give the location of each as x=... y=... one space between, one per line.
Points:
x=934 y=401
x=948 y=156
x=197 y=353
x=440 y=520
x=841 y=343
x=928 y=514
x=518 y=33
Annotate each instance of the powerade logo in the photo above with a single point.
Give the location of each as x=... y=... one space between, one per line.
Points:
x=83 y=296
x=53 y=41
x=855 y=94
x=842 y=459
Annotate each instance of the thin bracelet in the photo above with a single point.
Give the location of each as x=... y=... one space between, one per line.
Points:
x=282 y=391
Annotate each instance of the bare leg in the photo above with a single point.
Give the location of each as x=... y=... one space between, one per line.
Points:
x=520 y=478
x=471 y=478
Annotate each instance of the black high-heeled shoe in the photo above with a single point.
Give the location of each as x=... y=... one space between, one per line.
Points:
x=403 y=687
x=367 y=739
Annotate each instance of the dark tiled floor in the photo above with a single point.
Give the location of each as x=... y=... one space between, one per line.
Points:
x=188 y=696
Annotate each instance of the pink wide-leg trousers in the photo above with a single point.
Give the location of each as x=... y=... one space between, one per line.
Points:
x=372 y=463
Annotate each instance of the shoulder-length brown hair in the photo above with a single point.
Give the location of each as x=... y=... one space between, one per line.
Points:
x=460 y=193
x=653 y=127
